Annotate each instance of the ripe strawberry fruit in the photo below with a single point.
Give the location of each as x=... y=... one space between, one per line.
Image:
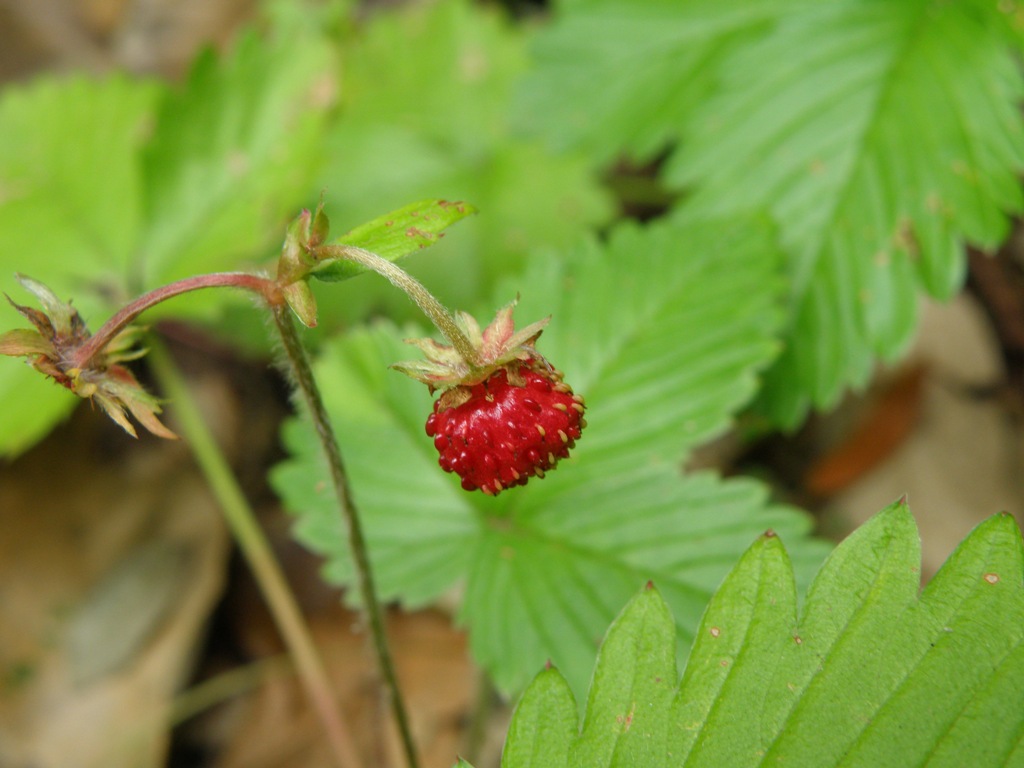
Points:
x=504 y=434
x=503 y=418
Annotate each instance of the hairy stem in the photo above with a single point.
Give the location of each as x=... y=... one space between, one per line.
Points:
x=267 y=288
x=413 y=288
x=304 y=380
x=265 y=568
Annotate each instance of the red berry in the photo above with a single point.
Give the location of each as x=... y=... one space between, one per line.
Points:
x=501 y=434
x=504 y=413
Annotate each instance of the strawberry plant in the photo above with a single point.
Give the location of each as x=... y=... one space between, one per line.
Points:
x=663 y=356
x=811 y=169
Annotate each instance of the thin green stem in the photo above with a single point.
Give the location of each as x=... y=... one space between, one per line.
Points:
x=258 y=554
x=227 y=685
x=413 y=288
x=302 y=373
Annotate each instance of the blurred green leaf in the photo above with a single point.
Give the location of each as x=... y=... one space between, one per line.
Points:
x=70 y=182
x=443 y=69
x=397 y=234
x=233 y=154
x=872 y=674
x=424 y=113
x=623 y=76
x=663 y=330
x=32 y=407
x=109 y=186
x=419 y=525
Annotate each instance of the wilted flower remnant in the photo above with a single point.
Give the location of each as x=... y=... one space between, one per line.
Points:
x=53 y=348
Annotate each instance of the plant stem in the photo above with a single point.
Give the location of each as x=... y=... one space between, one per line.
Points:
x=267 y=288
x=413 y=288
x=227 y=685
x=304 y=379
x=247 y=532
x=476 y=733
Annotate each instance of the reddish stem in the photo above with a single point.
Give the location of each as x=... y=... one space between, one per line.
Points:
x=266 y=287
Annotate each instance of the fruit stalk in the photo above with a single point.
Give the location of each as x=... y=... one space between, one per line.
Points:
x=412 y=287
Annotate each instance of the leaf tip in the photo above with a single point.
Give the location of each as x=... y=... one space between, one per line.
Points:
x=461 y=206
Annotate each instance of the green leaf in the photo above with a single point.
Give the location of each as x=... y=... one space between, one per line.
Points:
x=70 y=185
x=672 y=320
x=626 y=718
x=234 y=152
x=654 y=61
x=396 y=234
x=545 y=725
x=663 y=330
x=32 y=406
x=866 y=582
x=910 y=668
x=871 y=674
x=881 y=137
x=424 y=113
x=750 y=612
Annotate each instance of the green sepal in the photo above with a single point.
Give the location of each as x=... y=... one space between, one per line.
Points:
x=23 y=342
x=60 y=316
x=295 y=263
x=302 y=301
x=320 y=228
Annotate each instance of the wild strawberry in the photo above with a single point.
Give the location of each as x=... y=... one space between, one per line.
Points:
x=504 y=434
x=503 y=417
